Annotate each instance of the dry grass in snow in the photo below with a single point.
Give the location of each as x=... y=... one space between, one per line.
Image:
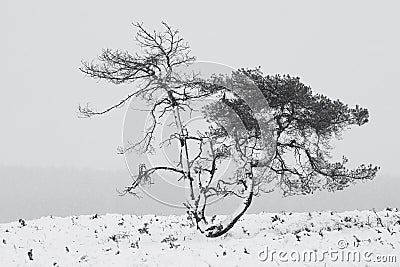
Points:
x=352 y=238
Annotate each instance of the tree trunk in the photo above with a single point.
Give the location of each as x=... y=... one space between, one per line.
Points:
x=223 y=227
x=184 y=152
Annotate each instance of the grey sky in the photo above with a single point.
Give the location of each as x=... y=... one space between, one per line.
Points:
x=343 y=49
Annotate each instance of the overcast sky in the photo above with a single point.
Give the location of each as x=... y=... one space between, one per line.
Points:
x=343 y=49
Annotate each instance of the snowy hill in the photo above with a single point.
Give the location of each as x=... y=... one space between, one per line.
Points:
x=353 y=238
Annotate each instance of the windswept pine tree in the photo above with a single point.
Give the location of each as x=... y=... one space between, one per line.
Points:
x=274 y=128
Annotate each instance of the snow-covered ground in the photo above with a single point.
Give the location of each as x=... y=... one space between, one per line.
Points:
x=352 y=238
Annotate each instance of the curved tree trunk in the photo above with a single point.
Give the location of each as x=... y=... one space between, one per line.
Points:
x=223 y=227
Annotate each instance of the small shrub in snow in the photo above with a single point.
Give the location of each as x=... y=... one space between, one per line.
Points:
x=22 y=222
x=144 y=229
x=170 y=240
